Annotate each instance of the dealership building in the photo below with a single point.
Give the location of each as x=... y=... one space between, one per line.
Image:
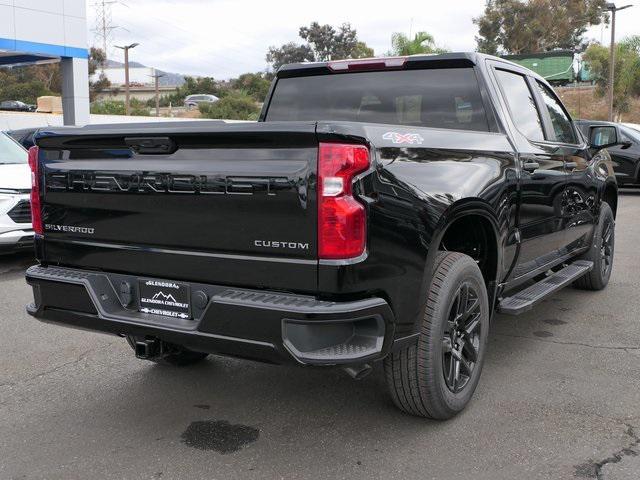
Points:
x=37 y=31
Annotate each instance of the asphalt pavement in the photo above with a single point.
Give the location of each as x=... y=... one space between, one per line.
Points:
x=559 y=398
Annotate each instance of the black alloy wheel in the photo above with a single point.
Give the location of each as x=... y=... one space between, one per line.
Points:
x=461 y=340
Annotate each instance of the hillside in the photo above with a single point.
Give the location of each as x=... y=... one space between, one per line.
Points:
x=582 y=102
x=168 y=80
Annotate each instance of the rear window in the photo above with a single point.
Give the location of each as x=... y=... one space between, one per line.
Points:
x=441 y=98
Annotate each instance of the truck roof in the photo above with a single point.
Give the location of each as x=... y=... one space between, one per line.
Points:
x=443 y=60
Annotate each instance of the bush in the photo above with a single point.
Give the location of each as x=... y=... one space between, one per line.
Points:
x=254 y=84
x=116 y=107
x=27 y=92
x=235 y=106
x=108 y=107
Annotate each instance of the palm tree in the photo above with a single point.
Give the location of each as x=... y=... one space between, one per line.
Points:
x=422 y=42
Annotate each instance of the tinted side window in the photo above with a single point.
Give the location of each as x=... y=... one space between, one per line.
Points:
x=561 y=124
x=521 y=104
x=604 y=136
x=439 y=98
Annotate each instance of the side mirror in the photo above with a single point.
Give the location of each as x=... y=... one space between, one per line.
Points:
x=626 y=144
x=603 y=136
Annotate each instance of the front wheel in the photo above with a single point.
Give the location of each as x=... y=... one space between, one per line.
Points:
x=436 y=377
x=600 y=253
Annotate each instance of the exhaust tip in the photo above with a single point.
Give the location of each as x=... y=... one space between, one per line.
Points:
x=358 y=372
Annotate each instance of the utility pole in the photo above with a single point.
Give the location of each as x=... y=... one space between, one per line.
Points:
x=612 y=55
x=126 y=48
x=156 y=76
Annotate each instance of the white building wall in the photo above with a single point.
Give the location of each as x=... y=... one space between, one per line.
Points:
x=35 y=30
x=50 y=22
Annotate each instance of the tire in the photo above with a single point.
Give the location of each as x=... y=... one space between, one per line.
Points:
x=600 y=253
x=174 y=355
x=416 y=374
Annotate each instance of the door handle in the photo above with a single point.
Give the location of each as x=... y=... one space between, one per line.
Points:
x=530 y=166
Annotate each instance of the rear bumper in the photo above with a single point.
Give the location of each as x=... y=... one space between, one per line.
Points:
x=267 y=326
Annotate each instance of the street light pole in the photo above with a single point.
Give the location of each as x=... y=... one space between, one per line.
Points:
x=612 y=55
x=156 y=77
x=126 y=75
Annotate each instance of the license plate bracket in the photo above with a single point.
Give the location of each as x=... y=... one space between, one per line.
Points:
x=164 y=297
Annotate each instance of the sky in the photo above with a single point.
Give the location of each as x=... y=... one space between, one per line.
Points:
x=225 y=38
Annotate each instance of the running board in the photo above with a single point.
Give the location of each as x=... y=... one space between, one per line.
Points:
x=525 y=299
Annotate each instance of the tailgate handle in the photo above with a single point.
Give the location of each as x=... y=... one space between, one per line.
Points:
x=150 y=145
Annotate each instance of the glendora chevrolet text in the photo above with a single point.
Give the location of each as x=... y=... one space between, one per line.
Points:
x=380 y=210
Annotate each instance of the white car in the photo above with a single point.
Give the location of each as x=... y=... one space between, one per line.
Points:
x=15 y=185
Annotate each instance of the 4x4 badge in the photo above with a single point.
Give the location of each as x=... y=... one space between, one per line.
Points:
x=410 y=138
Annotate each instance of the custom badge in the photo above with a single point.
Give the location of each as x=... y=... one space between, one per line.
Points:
x=410 y=138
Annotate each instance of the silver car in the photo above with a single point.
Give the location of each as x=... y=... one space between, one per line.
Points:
x=192 y=101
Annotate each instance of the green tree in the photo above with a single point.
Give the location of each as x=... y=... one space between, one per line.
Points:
x=532 y=26
x=234 y=106
x=28 y=83
x=422 y=42
x=626 y=84
x=25 y=91
x=322 y=43
x=97 y=59
x=329 y=43
x=289 y=53
x=362 y=50
x=254 y=84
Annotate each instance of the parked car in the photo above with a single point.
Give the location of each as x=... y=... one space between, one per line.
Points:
x=379 y=210
x=15 y=184
x=625 y=154
x=16 y=106
x=24 y=136
x=192 y=101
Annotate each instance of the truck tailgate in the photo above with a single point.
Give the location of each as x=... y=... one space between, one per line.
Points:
x=217 y=203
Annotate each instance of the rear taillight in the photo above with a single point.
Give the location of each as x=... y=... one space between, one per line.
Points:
x=341 y=218
x=36 y=214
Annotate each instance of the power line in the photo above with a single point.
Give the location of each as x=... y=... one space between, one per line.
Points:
x=103 y=29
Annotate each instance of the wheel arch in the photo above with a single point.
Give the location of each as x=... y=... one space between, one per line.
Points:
x=462 y=214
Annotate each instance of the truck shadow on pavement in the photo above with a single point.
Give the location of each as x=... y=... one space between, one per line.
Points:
x=16 y=262
x=224 y=405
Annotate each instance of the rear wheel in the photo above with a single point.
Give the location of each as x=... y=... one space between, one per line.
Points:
x=436 y=377
x=170 y=354
x=600 y=253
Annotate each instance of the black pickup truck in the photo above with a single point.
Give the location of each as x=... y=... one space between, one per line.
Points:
x=380 y=209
